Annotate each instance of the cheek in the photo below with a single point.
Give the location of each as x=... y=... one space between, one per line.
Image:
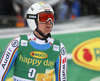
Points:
x=41 y=26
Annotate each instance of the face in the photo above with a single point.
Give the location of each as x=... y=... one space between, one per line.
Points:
x=45 y=28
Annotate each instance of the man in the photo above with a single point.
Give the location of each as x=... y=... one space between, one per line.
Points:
x=37 y=56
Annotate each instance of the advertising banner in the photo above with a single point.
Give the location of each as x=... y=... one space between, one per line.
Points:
x=85 y=50
x=84 y=47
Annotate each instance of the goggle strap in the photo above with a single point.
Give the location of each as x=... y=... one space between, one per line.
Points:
x=32 y=16
x=36 y=20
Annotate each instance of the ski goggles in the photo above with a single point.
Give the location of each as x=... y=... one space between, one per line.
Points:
x=44 y=17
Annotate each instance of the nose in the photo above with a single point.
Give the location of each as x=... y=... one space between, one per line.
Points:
x=49 y=22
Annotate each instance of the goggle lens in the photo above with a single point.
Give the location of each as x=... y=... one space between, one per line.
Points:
x=43 y=17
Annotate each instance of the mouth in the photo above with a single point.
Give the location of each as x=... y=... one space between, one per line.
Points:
x=48 y=27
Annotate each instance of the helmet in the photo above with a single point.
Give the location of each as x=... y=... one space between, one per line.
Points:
x=32 y=13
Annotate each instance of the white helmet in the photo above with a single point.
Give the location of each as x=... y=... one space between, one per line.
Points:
x=32 y=13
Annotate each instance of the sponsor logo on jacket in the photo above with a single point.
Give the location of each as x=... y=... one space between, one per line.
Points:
x=37 y=54
x=36 y=62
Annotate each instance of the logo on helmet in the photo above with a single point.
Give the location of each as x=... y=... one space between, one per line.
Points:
x=45 y=7
x=32 y=9
x=31 y=16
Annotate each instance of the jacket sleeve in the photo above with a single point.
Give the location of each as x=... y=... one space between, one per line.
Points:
x=8 y=58
x=61 y=65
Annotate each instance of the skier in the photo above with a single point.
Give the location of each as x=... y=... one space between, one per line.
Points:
x=36 y=56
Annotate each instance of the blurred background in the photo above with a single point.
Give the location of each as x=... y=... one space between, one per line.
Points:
x=12 y=12
x=77 y=26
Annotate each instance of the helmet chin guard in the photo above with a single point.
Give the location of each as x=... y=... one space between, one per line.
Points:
x=32 y=13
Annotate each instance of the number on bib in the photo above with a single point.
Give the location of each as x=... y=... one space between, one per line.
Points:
x=31 y=73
